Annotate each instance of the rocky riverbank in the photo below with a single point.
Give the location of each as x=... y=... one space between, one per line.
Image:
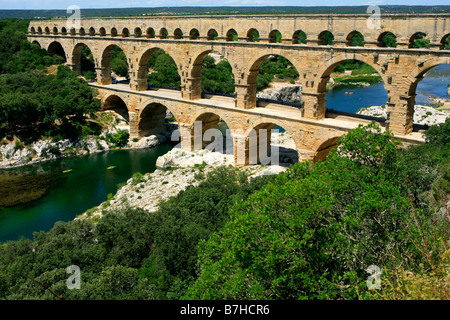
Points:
x=176 y=171
x=282 y=92
x=422 y=114
x=15 y=153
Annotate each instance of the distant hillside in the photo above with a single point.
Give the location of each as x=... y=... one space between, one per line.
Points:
x=45 y=14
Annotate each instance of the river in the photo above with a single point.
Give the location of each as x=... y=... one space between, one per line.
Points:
x=88 y=184
x=72 y=193
x=431 y=85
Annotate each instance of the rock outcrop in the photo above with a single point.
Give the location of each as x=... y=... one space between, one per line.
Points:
x=176 y=170
x=292 y=93
x=422 y=114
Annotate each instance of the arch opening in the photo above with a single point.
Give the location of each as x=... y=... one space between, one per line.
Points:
x=232 y=35
x=325 y=148
x=178 y=34
x=211 y=132
x=155 y=119
x=125 y=33
x=445 y=42
x=354 y=87
x=91 y=31
x=326 y=38
x=163 y=33
x=115 y=59
x=418 y=40
x=159 y=69
x=355 y=39
x=137 y=32
x=113 y=32
x=102 y=32
x=213 y=75
x=275 y=36
x=387 y=40
x=83 y=62
x=212 y=35
x=82 y=32
x=47 y=30
x=150 y=33
x=274 y=79
x=271 y=144
x=194 y=34
x=429 y=94
x=299 y=37
x=115 y=104
x=55 y=48
x=253 y=35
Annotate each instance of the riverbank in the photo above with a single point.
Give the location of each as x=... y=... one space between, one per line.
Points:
x=422 y=114
x=176 y=171
x=15 y=153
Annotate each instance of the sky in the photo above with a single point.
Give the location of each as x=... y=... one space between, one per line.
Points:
x=58 y=4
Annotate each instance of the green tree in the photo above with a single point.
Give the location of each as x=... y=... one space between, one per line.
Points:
x=312 y=233
x=389 y=40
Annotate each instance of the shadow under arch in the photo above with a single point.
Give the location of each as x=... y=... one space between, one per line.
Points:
x=153 y=118
x=210 y=131
x=325 y=148
x=115 y=103
x=55 y=48
x=271 y=143
x=80 y=62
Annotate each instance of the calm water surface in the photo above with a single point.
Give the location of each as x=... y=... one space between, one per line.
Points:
x=86 y=186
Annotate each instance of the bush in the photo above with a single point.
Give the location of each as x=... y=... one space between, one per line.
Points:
x=119 y=139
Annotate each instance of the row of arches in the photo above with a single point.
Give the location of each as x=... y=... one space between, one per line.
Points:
x=326 y=37
x=272 y=142
x=195 y=73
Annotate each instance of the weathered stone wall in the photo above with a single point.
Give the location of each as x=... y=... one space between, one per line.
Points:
x=401 y=68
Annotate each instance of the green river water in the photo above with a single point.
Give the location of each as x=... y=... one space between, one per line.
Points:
x=62 y=196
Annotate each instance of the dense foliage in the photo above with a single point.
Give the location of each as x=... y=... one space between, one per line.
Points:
x=275 y=68
x=128 y=254
x=308 y=233
x=35 y=105
x=313 y=232
x=164 y=71
x=217 y=78
x=19 y=55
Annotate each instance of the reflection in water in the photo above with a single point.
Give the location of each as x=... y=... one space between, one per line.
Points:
x=86 y=186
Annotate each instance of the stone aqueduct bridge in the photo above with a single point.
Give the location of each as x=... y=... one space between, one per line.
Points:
x=189 y=39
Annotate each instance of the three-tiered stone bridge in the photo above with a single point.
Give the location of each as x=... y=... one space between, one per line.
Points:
x=189 y=39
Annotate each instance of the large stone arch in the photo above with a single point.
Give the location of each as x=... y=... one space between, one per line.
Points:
x=414 y=77
x=76 y=55
x=139 y=82
x=151 y=119
x=105 y=61
x=56 y=47
x=324 y=70
x=201 y=135
x=119 y=104
x=252 y=71
x=260 y=135
x=316 y=102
